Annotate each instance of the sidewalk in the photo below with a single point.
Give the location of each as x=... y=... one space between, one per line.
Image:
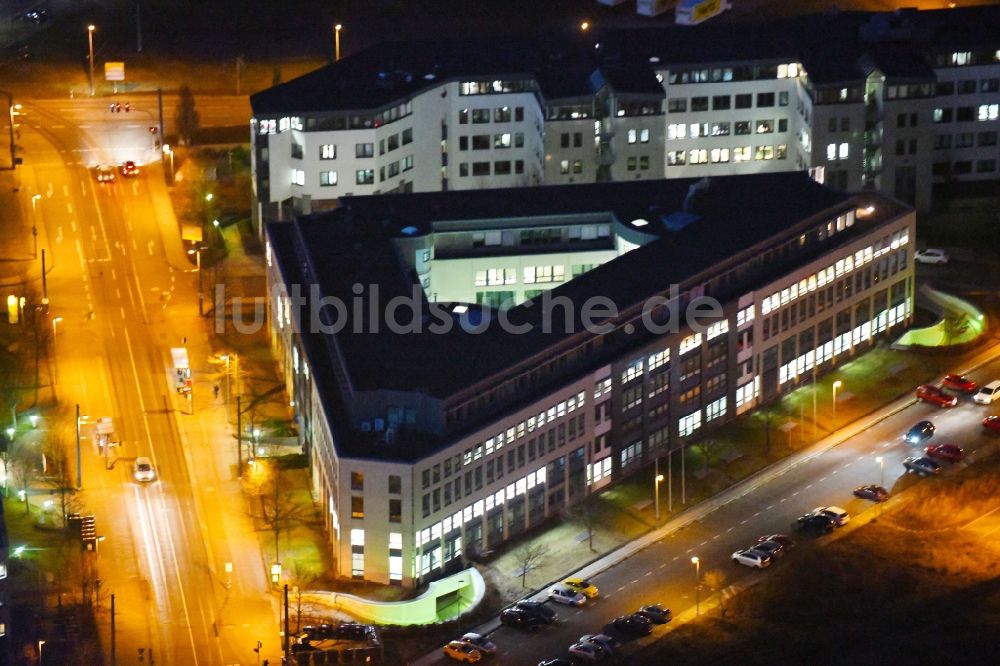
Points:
x=699 y=511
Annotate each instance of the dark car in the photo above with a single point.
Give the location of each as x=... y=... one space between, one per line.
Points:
x=959 y=383
x=514 y=617
x=815 y=523
x=632 y=625
x=919 y=433
x=785 y=541
x=538 y=609
x=655 y=613
x=934 y=394
x=949 y=452
x=922 y=465
x=773 y=549
x=992 y=423
x=872 y=492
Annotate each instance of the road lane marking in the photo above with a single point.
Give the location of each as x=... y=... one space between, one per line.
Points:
x=648 y=573
x=72 y=225
x=114 y=274
x=65 y=189
x=122 y=310
x=677 y=557
x=59 y=234
x=847 y=465
x=784 y=499
x=730 y=529
x=716 y=537
x=821 y=480
x=809 y=486
x=795 y=493
x=756 y=514
x=620 y=588
x=703 y=543
x=664 y=565
x=743 y=522
x=634 y=581
x=69 y=207
x=149 y=247
x=769 y=507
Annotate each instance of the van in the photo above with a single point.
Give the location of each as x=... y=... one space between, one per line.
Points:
x=988 y=393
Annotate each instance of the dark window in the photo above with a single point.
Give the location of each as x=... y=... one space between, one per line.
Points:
x=965 y=113
x=564 y=140
x=395 y=510
x=396 y=482
x=967 y=87
x=744 y=101
x=765 y=99
x=699 y=103
x=357 y=481
x=721 y=102
x=901 y=120
x=944 y=88
x=357 y=507
x=480 y=168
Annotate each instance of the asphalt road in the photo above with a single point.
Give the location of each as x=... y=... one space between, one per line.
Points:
x=111 y=283
x=664 y=573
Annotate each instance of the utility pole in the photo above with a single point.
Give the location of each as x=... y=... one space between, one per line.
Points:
x=79 y=468
x=45 y=287
x=239 y=439
x=159 y=103
x=112 y=630
x=138 y=25
x=288 y=653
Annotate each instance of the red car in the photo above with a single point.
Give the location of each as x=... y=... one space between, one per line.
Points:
x=949 y=452
x=129 y=168
x=931 y=393
x=992 y=423
x=959 y=383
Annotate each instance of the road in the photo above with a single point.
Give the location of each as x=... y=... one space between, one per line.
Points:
x=664 y=573
x=125 y=294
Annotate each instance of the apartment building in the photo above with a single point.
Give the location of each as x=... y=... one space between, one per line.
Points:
x=891 y=102
x=465 y=365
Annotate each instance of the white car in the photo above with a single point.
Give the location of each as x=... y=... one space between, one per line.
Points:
x=565 y=594
x=587 y=651
x=143 y=470
x=752 y=558
x=480 y=642
x=931 y=256
x=105 y=174
x=607 y=643
x=839 y=515
x=987 y=393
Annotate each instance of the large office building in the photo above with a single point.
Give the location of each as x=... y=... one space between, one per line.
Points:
x=466 y=364
x=890 y=102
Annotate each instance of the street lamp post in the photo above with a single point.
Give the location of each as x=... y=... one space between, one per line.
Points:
x=201 y=296
x=657 y=480
x=836 y=385
x=40 y=644
x=881 y=470
x=55 y=321
x=697 y=590
x=90 y=42
x=336 y=41
x=34 y=224
x=170 y=152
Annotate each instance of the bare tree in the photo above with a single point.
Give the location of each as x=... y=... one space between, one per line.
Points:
x=715 y=580
x=302 y=577
x=279 y=509
x=530 y=557
x=584 y=512
x=23 y=464
x=59 y=476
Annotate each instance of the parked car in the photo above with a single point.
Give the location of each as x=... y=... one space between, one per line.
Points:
x=632 y=625
x=143 y=470
x=931 y=255
x=538 y=609
x=949 y=452
x=785 y=541
x=752 y=558
x=959 y=383
x=105 y=174
x=922 y=465
x=564 y=594
x=839 y=515
x=992 y=423
x=772 y=549
x=480 y=642
x=515 y=617
x=919 y=433
x=935 y=395
x=584 y=587
x=872 y=492
x=129 y=168
x=988 y=393
x=655 y=613
x=606 y=642
x=464 y=652
x=317 y=632
x=814 y=523
x=587 y=651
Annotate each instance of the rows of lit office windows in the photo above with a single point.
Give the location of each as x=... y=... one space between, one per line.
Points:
x=676 y=131
x=837 y=269
x=725 y=155
x=982 y=113
x=843 y=342
x=530 y=275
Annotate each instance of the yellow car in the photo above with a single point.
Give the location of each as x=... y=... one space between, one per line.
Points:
x=460 y=651
x=584 y=587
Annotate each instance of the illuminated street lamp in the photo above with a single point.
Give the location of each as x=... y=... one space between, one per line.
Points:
x=90 y=41
x=697 y=576
x=836 y=385
x=33 y=419
x=336 y=41
x=584 y=26
x=656 y=484
x=55 y=321
x=167 y=150
x=34 y=223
